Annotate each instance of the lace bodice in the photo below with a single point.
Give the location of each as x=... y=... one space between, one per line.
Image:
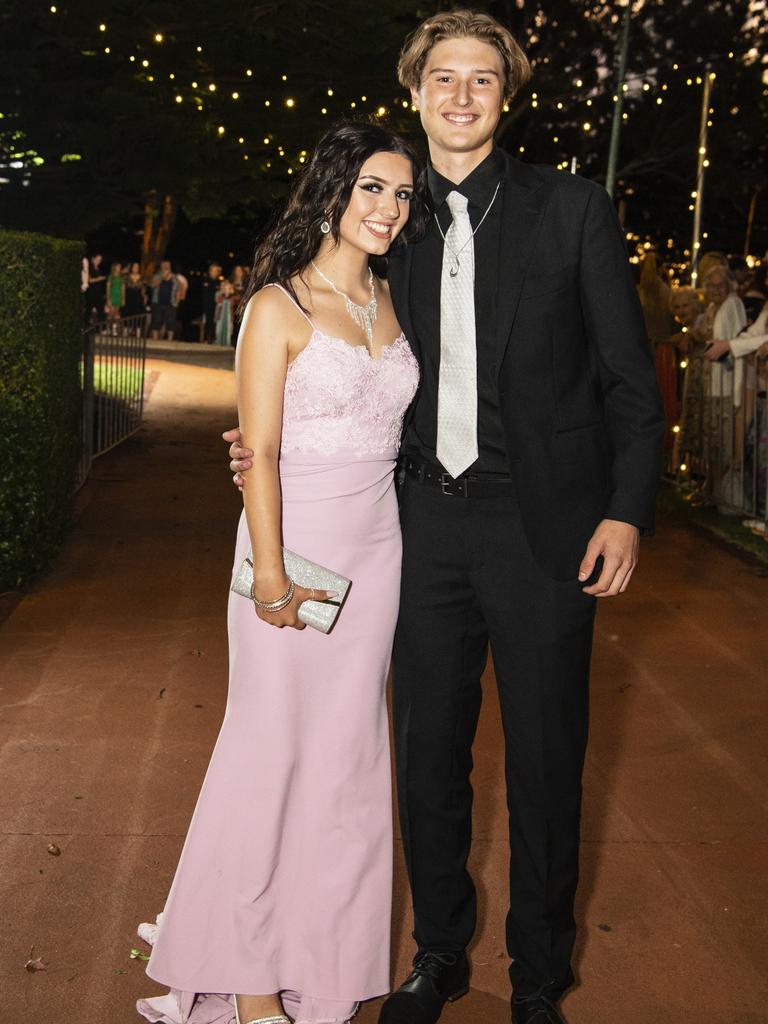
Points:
x=338 y=398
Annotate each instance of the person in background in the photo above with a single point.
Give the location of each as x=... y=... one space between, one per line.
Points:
x=210 y=289
x=739 y=268
x=686 y=307
x=165 y=299
x=95 y=293
x=115 y=292
x=135 y=292
x=239 y=279
x=709 y=261
x=182 y=317
x=748 y=350
x=655 y=299
x=724 y=319
x=744 y=344
x=226 y=303
x=755 y=293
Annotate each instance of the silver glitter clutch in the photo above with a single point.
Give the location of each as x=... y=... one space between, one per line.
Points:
x=318 y=614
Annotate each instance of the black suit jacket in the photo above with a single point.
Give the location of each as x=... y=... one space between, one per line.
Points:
x=579 y=401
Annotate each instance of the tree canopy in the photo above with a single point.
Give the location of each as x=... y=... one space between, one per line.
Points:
x=125 y=109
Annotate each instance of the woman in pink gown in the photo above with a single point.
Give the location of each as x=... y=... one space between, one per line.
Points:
x=282 y=894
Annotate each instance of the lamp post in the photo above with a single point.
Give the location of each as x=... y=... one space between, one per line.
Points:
x=701 y=169
x=618 y=107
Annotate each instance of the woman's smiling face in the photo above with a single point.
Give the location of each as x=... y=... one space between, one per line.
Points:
x=379 y=205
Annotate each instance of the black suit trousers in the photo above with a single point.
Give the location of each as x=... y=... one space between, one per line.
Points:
x=469 y=578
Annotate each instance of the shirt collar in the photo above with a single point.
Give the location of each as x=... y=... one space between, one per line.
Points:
x=478 y=186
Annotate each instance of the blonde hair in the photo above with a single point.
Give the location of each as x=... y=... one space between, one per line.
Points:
x=720 y=268
x=650 y=285
x=686 y=292
x=455 y=25
x=709 y=261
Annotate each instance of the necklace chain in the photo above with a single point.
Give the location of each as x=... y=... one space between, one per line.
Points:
x=363 y=316
x=456 y=252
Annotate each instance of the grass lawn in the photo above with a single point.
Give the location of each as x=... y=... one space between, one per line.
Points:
x=673 y=505
x=119 y=381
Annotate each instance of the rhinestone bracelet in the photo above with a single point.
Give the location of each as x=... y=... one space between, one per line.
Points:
x=279 y=604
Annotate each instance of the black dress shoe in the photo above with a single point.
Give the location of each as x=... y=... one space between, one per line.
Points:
x=436 y=979
x=535 y=1009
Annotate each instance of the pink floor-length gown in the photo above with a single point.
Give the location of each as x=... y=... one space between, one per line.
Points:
x=284 y=882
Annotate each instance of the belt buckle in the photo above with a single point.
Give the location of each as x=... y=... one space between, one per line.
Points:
x=453 y=487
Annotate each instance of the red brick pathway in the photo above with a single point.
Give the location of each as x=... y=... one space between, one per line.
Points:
x=113 y=676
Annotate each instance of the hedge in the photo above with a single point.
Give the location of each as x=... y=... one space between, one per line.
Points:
x=40 y=324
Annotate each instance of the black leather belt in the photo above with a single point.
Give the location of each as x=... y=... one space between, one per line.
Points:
x=468 y=485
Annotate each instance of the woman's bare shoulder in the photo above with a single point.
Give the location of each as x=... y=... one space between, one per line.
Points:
x=271 y=306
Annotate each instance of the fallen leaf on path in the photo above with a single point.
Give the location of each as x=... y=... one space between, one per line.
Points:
x=136 y=954
x=35 y=965
x=54 y=850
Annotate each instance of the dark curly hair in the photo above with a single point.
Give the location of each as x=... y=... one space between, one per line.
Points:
x=322 y=193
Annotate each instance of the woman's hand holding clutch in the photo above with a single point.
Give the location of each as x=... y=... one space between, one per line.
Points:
x=288 y=614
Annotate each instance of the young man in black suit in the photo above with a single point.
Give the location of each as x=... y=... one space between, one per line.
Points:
x=530 y=458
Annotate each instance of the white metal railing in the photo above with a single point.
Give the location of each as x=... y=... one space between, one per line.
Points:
x=112 y=382
x=721 y=440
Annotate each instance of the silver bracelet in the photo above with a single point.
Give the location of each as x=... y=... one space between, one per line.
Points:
x=279 y=604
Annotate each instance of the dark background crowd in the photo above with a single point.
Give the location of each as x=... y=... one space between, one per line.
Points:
x=194 y=306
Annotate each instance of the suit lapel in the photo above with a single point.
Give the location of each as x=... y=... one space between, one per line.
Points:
x=525 y=200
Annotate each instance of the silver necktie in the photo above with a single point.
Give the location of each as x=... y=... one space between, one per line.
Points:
x=457 y=390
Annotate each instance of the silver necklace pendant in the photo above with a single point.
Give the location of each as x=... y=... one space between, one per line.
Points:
x=363 y=316
x=456 y=266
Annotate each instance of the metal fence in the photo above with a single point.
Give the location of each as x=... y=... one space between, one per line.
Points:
x=721 y=440
x=112 y=381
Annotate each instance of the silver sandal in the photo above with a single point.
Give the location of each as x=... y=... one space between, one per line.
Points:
x=279 y=1018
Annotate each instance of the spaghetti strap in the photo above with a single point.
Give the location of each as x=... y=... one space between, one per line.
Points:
x=287 y=294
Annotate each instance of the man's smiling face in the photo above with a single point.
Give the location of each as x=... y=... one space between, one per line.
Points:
x=460 y=95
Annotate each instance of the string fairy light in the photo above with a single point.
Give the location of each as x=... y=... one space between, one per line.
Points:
x=568 y=113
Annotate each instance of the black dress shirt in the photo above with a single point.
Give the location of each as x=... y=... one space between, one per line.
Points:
x=421 y=435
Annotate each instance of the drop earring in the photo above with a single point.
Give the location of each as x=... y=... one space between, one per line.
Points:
x=325 y=227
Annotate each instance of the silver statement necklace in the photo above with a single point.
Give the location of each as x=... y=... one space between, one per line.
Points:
x=456 y=265
x=363 y=316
